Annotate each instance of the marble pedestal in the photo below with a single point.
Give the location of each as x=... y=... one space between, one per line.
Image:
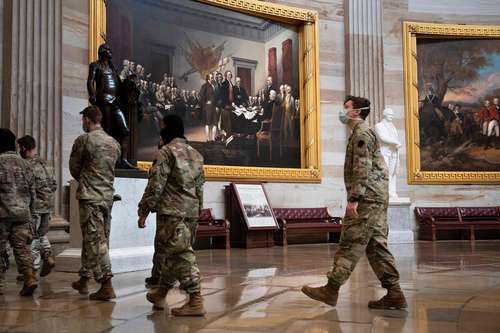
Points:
x=131 y=248
x=401 y=229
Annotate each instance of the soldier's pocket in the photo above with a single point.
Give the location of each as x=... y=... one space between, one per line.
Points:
x=182 y=237
x=356 y=231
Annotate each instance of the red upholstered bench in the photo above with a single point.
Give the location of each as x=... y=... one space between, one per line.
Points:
x=480 y=218
x=304 y=221
x=432 y=219
x=218 y=229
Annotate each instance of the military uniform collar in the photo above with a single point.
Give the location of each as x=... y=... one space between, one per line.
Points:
x=178 y=140
x=97 y=129
x=361 y=123
x=10 y=152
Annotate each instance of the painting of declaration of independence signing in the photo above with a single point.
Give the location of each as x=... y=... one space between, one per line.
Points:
x=459 y=108
x=233 y=79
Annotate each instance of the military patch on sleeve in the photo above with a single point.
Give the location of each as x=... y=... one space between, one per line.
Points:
x=361 y=143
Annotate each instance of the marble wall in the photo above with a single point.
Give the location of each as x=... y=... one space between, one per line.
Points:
x=330 y=192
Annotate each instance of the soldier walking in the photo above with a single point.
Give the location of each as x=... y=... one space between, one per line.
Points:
x=175 y=192
x=92 y=164
x=365 y=226
x=17 y=203
x=45 y=187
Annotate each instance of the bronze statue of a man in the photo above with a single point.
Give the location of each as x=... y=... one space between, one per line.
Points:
x=103 y=85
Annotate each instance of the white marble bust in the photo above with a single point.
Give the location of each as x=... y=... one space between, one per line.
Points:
x=389 y=146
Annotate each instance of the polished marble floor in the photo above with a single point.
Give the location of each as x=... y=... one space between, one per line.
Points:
x=450 y=287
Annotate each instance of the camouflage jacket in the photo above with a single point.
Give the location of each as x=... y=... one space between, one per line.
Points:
x=17 y=189
x=45 y=185
x=365 y=172
x=175 y=185
x=92 y=164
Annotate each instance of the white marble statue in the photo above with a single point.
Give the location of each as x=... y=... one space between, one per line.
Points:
x=389 y=146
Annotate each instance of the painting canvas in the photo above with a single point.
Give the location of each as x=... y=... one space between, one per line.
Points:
x=255 y=205
x=232 y=77
x=459 y=109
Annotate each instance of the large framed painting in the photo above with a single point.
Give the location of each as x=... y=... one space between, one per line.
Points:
x=452 y=93
x=243 y=75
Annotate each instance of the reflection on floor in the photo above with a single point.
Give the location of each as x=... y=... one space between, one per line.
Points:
x=450 y=287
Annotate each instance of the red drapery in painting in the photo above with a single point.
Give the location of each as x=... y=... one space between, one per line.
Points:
x=286 y=62
x=272 y=67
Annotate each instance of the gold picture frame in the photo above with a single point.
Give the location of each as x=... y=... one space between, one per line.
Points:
x=307 y=23
x=412 y=31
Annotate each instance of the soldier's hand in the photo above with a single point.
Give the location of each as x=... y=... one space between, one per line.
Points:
x=141 y=223
x=351 y=210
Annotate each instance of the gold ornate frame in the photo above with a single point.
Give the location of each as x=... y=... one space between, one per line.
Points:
x=412 y=31
x=307 y=23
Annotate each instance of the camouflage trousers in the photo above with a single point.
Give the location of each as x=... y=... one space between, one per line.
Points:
x=18 y=234
x=158 y=256
x=95 y=223
x=40 y=247
x=176 y=236
x=365 y=234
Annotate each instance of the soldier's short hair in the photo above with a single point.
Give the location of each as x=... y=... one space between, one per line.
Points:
x=27 y=142
x=360 y=103
x=7 y=140
x=93 y=113
x=173 y=128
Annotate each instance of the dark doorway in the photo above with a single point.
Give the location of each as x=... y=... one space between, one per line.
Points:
x=246 y=79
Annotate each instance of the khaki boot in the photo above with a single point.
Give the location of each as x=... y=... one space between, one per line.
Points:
x=194 y=307
x=48 y=264
x=105 y=293
x=327 y=294
x=82 y=286
x=157 y=297
x=30 y=284
x=395 y=299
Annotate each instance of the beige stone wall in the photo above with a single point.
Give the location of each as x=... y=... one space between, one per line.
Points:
x=331 y=191
x=75 y=64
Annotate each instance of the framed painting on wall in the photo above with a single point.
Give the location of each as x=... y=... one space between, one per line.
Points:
x=242 y=74
x=452 y=94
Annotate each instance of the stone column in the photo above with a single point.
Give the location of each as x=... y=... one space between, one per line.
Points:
x=364 y=53
x=31 y=72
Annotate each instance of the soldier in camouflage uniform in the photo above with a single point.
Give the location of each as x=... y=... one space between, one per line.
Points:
x=45 y=185
x=158 y=256
x=17 y=202
x=364 y=228
x=175 y=193
x=92 y=164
